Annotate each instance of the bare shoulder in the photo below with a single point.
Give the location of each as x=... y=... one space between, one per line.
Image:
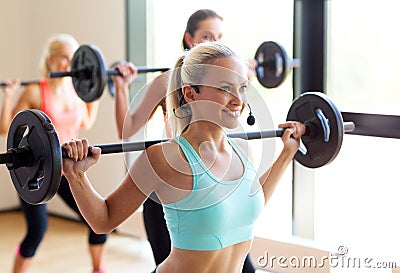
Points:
x=159 y=158
x=161 y=81
x=156 y=89
x=32 y=89
x=159 y=167
x=163 y=77
x=31 y=97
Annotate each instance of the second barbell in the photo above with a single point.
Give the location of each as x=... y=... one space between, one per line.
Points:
x=90 y=75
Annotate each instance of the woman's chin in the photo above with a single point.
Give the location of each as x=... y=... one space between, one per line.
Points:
x=231 y=124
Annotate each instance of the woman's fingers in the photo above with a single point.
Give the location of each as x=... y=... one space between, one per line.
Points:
x=77 y=149
x=127 y=69
x=296 y=129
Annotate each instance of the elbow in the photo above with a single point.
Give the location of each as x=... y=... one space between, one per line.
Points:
x=102 y=229
x=120 y=129
x=87 y=124
x=120 y=135
x=104 y=226
x=124 y=133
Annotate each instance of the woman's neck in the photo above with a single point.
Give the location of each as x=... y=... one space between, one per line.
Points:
x=201 y=131
x=59 y=83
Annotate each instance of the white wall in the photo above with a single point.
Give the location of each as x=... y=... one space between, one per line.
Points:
x=25 y=25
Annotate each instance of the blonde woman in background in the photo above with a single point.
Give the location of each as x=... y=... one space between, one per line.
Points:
x=57 y=98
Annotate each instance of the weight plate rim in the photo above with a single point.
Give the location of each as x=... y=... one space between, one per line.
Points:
x=283 y=53
x=52 y=182
x=299 y=157
x=95 y=52
x=56 y=159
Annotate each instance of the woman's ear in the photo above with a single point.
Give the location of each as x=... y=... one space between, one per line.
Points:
x=188 y=39
x=189 y=93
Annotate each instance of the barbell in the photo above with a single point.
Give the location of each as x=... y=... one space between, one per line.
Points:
x=23 y=83
x=79 y=74
x=34 y=155
x=90 y=76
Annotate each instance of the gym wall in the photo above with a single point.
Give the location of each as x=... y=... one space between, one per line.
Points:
x=25 y=27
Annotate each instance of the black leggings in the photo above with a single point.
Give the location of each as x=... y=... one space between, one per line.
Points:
x=158 y=235
x=36 y=218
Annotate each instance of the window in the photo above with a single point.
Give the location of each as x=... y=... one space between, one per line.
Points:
x=356 y=195
x=362 y=56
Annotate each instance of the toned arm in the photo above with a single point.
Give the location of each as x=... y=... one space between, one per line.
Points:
x=129 y=123
x=105 y=214
x=29 y=99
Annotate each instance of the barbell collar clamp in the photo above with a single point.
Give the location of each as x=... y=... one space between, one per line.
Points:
x=295 y=63
x=278 y=62
x=349 y=126
x=15 y=158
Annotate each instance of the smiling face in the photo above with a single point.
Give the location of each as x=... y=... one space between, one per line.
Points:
x=222 y=93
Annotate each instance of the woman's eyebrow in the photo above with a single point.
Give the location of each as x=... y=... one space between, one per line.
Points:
x=230 y=83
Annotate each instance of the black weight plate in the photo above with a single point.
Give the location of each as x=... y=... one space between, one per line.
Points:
x=319 y=151
x=38 y=182
x=91 y=75
x=272 y=65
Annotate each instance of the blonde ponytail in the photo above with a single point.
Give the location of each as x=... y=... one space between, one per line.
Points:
x=190 y=69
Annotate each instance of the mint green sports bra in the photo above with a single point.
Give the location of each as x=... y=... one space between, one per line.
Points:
x=217 y=213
